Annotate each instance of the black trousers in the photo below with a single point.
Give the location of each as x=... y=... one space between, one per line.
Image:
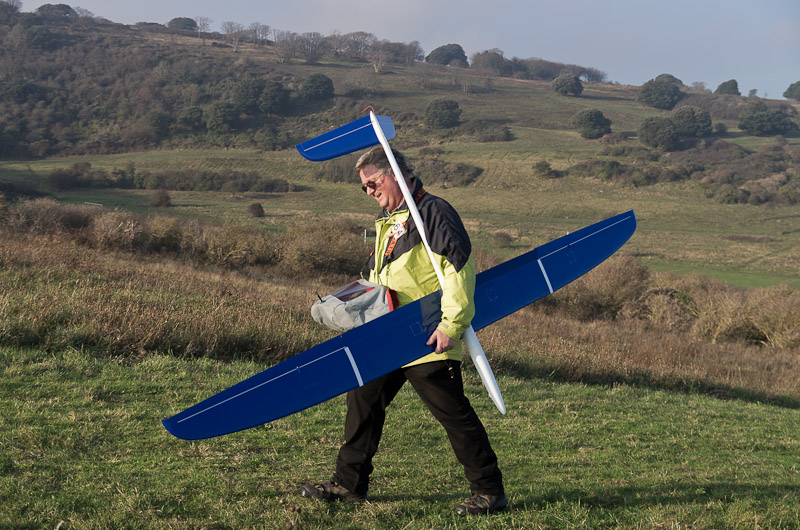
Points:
x=441 y=388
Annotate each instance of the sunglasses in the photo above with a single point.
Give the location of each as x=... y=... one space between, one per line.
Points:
x=373 y=184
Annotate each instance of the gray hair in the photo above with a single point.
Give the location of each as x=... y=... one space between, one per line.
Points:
x=377 y=156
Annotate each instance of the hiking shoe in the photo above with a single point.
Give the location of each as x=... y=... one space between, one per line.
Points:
x=480 y=503
x=331 y=491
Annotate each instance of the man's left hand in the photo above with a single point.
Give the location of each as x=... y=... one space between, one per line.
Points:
x=441 y=341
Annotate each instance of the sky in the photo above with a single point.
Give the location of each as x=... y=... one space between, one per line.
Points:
x=755 y=42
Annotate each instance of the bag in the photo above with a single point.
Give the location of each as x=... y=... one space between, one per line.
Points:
x=354 y=304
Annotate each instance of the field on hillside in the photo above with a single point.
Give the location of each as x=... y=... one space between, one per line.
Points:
x=659 y=391
x=679 y=230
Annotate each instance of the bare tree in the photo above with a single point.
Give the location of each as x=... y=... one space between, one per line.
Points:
x=203 y=25
x=379 y=54
x=259 y=33
x=311 y=46
x=357 y=45
x=234 y=32
x=285 y=45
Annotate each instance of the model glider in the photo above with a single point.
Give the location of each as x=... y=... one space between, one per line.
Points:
x=397 y=338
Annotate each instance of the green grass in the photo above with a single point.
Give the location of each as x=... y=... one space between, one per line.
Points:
x=82 y=444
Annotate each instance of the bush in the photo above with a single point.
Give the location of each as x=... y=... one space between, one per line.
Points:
x=660 y=93
x=568 y=85
x=274 y=98
x=603 y=293
x=308 y=251
x=542 y=169
x=255 y=210
x=317 y=87
x=758 y=119
x=160 y=199
x=442 y=114
x=730 y=88
x=692 y=121
x=591 y=124
x=793 y=92
x=659 y=133
x=483 y=131
x=447 y=54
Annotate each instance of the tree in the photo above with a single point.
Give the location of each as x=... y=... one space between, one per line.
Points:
x=793 y=92
x=692 y=121
x=246 y=95
x=660 y=93
x=259 y=33
x=285 y=45
x=274 y=98
x=730 y=87
x=57 y=14
x=317 y=87
x=183 y=23
x=234 y=32
x=311 y=46
x=568 y=85
x=491 y=62
x=9 y=11
x=659 y=133
x=591 y=123
x=442 y=114
x=221 y=117
x=758 y=119
x=191 y=118
x=669 y=78
x=447 y=54
x=203 y=25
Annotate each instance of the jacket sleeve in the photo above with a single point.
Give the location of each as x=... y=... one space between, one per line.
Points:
x=458 y=302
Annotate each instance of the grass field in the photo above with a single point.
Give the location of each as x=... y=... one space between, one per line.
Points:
x=640 y=422
x=680 y=229
x=83 y=447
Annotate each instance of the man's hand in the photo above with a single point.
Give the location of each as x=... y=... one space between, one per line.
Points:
x=441 y=341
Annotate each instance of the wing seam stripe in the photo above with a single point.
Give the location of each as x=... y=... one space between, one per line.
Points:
x=355 y=367
x=546 y=277
x=240 y=394
x=337 y=137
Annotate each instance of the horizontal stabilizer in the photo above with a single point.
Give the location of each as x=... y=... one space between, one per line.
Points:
x=346 y=139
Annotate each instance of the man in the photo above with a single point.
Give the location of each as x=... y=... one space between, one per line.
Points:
x=401 y=263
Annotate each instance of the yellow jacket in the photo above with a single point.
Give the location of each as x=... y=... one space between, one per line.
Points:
x=401 y=262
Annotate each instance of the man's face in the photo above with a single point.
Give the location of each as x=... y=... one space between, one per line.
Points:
x=382 y=188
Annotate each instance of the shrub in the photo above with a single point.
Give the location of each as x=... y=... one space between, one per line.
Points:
x=447 y=54
x=542 y=169
x=568 y=85
x=692 y=121
x=660 y=93
x=730 y=87
x=117 y=231
x=255 y=210
x=309 y=251
x=274 y=98
x=659 y=133
x=604 y=292
x=317 y=87
x=502 y=239
x=758 y=119
x=442 y=114
x=793 y=92
x=160 y=199
x=591 y=123
x=484 y=131
x=236 y=246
